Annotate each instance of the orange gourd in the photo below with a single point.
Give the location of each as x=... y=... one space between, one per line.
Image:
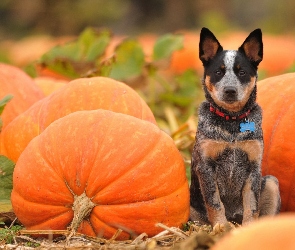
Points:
x=276 y=96
x=80 y=94
x=278 y=54
x=25 y=92
x=280 y=47
x=125 y=171
x=278 y=51
x=269 y=233
x=188 y=57
x=48 y=84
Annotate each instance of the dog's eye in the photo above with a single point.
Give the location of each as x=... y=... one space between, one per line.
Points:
x=242 y=72
x=218 y=72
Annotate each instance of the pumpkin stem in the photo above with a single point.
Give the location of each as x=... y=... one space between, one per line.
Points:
x=82 y=207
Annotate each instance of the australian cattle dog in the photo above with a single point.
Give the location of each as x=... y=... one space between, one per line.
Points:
x=226 y=181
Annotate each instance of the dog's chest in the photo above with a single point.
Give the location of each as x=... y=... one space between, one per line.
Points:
x=230 y=153
x=220 y=150
x=232 y=161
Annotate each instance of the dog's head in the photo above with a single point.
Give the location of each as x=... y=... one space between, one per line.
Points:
x=230 y=75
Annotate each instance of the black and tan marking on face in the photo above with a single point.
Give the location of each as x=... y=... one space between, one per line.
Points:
x=230 y=79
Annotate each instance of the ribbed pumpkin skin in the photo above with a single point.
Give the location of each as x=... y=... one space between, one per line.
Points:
x=24 y=90
x=130 y=169
x=269 y=233
x=81 y=94
x=276 y=95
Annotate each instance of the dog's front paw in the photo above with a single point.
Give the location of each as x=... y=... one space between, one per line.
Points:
x=222 y=228
x=216 y=216
x=250 y=218
x=218 y=228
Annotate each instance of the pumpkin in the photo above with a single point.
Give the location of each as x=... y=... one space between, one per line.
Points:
x=277 y=48
x=188 y=57
x=106 y=169
x=276 y=97
x=269 y=233
x=49 y=84
x=80 y=94
x=25 y=92
x=44 y=71
x=31 y=48
x=274 y=48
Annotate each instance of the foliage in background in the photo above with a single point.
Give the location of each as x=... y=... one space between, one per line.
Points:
x=3 y=103
x=74 y=58
x=6 y=171
x=20 y=18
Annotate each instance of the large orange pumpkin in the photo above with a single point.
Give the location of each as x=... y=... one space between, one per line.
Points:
x=81 y=94
x=276 y=95
x=269 y=233
x=124 y=171
x=24 y=90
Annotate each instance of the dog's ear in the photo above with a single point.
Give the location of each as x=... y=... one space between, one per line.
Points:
x=253 y=47
x=209 y=46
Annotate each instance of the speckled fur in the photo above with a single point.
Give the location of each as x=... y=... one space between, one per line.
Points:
x=226 y=181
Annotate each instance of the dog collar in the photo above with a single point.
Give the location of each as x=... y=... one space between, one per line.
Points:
x=228 y=117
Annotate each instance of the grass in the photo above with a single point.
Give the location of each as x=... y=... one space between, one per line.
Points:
x=8 y=234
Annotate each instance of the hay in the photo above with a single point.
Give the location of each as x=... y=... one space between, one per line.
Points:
x=196 y=237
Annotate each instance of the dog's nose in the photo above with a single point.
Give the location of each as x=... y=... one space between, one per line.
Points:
x=230 y=91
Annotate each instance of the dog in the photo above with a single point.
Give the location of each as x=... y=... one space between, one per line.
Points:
x=226 y=182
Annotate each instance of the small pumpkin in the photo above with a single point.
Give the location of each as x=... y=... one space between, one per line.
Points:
x=276 y=97
x=24 y=90
x=48 y=84
x=269 y=233
x=107 y=169
x=274 y=47
x=29 y=49
x=188 y=57
x=80 y=94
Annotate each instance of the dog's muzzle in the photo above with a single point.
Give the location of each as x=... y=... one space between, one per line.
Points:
x=230 y=94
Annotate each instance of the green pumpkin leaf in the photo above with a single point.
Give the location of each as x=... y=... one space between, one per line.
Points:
x=185 y=92
x=4 y=101
x=166 y=45
x=129 y=60
x=77 y=57
x=92 y=44
x=68 y=51
x=6 y=172
x=31 y=70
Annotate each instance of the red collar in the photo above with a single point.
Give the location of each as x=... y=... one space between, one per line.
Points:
x=228 y=117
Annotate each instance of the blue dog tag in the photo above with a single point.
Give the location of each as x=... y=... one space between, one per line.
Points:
x=247 y=126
